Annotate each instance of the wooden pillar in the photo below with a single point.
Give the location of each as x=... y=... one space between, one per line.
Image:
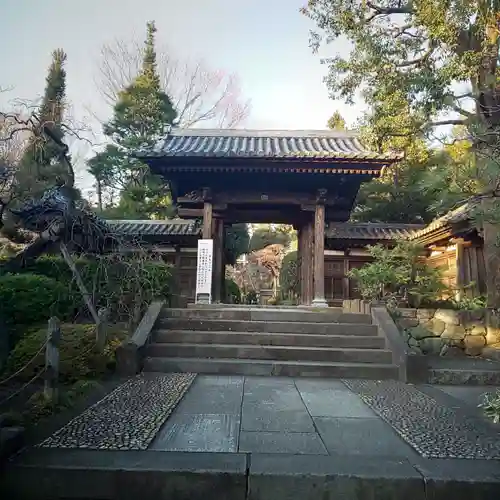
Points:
x=207 y=214
x=218 y=260
x=300 y=255
x=346 y=285
x=223 y=260
x=319 y=251
x=306 y=267
x=460 y=263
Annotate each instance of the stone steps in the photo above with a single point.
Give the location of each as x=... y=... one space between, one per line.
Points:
x=273 y=353
x=292 y=342
x=276 y=339
x=276 y=314
x=261 y=367
x=250 y=326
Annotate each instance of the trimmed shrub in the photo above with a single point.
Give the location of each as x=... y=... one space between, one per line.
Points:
x=79 y=358
x=115 y=282
x=27 y=299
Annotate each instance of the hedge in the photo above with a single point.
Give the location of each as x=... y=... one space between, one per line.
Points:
x=28 y=299
x=115 y=283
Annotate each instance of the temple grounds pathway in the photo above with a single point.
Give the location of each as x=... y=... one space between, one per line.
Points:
x=269 y=438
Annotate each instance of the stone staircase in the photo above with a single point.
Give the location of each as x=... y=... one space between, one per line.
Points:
x=276 y=341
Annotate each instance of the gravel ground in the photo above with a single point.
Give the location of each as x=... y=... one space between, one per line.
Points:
x=434 y=430
x=126 y=419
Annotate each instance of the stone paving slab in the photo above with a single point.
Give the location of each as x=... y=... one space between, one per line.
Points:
x=335 y=403
x=258 y=419
x=434 y=429
x=294 y=443
x=199 y=433
x=210 y=395
x=361 y=436
x=126 y=419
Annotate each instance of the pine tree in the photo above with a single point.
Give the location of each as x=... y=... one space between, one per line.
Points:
x=140 y=117
x=41 y=166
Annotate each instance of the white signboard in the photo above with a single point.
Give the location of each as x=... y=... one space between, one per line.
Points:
x=204 y=271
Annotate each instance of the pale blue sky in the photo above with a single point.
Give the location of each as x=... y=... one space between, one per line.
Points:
x=264 y=41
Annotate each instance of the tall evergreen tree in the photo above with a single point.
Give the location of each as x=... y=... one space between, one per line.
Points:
x=42 y=166
x=140 y=117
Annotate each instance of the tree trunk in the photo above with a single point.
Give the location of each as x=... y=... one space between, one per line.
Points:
x=99 y=194
x=491 y=236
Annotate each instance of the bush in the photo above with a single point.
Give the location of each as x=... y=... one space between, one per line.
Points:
x=233 y=292
x=114 y=282
x=79 y=358
x=399 y=273
x=491 y=406
x=27 y=299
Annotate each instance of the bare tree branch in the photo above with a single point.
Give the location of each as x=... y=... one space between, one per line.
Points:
x=199 y=93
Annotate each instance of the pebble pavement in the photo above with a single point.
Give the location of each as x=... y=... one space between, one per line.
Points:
x=128 y=418
x=434 y=430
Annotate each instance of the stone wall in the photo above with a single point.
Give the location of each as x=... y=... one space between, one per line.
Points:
x=445 y=331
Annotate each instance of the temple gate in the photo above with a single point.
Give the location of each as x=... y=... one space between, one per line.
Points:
x=301 y=178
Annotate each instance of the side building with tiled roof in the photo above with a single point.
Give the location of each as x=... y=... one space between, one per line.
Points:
x=452 y=242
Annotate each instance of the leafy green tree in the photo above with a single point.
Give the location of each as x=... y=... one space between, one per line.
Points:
x=399 y=273
x=421 y=65
x=336 y=122
x=236 y=242
x=265 y=236
x=140 y=117
x=42 y=165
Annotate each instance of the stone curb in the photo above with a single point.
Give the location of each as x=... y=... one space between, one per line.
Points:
x=85 y=474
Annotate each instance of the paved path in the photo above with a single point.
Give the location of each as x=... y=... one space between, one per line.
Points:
x=329 y=417
x=253 y=438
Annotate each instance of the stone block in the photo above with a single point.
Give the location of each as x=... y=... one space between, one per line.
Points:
x=408 y=322
x=431 y=345
x=435 y=325
x=420 y=332
x=477 y=330
x=425 y=314
x=492 y=335
x=408 y=313
x=455 y=332
x=474 y=344
x=475 y=316
x=332 y=477
x=449 y=316
x=129 y=359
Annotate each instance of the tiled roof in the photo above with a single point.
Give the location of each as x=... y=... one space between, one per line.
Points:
x=167 y=227
x=461 y=214
x=274 y=144
x=370 y=231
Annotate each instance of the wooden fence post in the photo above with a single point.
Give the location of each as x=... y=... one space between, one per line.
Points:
x=52 y=360
x=101 y=328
